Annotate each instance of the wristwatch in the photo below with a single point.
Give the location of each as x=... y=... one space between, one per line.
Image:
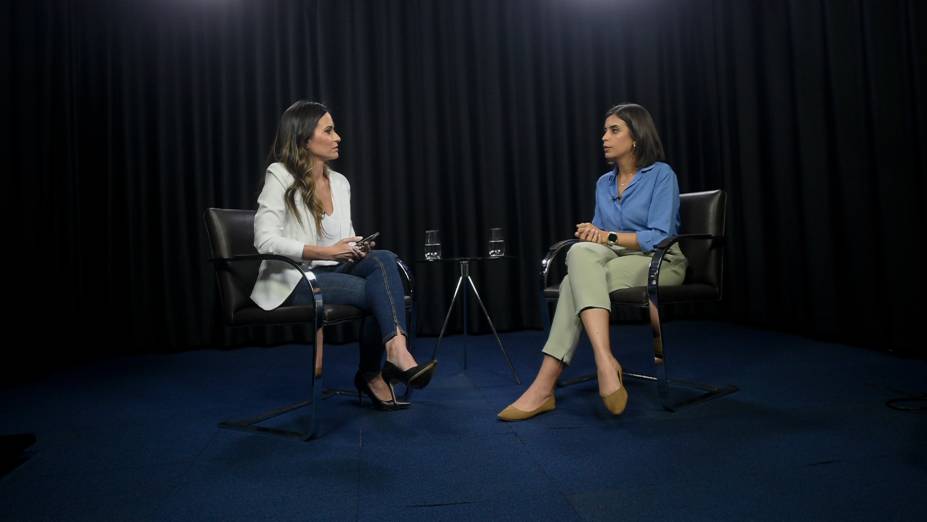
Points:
x=612 y=239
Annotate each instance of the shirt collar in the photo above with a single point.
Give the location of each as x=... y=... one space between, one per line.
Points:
x=613 y=185
x=614 y=172
x=647 y=168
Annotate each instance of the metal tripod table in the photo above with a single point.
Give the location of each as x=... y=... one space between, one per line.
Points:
x=464 y=280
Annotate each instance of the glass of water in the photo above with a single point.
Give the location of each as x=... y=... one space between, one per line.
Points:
x=432 y=245
x=496 y=242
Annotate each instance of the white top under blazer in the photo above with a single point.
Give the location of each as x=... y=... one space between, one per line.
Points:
x=276 y=231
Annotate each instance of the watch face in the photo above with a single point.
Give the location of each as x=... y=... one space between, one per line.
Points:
x=612 y=237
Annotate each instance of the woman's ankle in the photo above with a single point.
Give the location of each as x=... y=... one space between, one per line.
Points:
x=395 y=347
x=606 y=361
x=541 y=388
x=401 y=357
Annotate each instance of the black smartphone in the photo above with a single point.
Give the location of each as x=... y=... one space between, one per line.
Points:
x=368 y=239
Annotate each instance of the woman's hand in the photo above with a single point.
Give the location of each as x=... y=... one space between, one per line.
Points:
x=346 y=250
x=590 y=232
x=365 y=248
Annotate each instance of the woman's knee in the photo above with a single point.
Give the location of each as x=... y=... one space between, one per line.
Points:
x=627 y=272
x=583 y=253
x=383 y=255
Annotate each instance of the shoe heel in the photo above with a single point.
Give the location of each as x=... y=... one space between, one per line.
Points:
x=397 y=404
x=360 y=382
x=617 y=401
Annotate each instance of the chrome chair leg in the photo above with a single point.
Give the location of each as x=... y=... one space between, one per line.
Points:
x=310 y=427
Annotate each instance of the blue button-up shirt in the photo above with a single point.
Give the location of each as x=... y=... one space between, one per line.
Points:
x=649 y=205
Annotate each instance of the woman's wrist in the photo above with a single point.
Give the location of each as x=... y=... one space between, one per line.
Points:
x=611 y=238
x=317 y=253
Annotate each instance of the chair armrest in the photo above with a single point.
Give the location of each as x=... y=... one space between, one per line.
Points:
x=404 y=270
x=552 y=254
x=308 y=275
x=668 y=242
x=656 y=262
x=406 y=273
x=256 y=257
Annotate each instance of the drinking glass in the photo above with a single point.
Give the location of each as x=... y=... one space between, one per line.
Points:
x=432 y=245
x=496 y=242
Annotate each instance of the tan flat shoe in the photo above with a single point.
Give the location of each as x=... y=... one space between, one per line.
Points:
x=511 y=413
x=617 y=401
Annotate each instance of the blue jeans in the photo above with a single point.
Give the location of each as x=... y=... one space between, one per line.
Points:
x=374 y=285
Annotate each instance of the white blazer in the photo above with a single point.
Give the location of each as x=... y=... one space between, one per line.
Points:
x=276 y=231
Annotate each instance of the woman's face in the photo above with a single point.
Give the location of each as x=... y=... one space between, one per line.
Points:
x=324 y=142
x=617 y=142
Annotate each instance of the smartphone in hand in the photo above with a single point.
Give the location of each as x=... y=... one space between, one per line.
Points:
x=369 y=238
x=364 y=244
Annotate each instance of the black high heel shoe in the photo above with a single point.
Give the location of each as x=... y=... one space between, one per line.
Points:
x=415 y=377
x=360 y=382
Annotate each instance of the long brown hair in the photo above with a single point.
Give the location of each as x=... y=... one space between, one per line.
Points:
x=297 y=127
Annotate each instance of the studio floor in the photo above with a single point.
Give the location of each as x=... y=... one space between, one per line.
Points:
x=808 y=436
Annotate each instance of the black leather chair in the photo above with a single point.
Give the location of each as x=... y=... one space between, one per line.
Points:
x=701 y=238
x=231 y=236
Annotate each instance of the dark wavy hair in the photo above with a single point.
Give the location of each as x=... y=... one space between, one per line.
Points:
x=296 y=128
x=648 y=147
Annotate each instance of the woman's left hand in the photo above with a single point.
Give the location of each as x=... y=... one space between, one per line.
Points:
x=365 y=248
x=589 y=232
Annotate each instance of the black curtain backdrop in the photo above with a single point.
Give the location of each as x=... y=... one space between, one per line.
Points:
x=126 y=119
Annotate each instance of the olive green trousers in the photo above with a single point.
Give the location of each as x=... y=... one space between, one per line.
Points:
x=593 y=271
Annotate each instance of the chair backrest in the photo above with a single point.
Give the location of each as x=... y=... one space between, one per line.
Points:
x=703 y=213
x=231 y=233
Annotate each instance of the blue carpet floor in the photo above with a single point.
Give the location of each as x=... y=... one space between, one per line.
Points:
x=808 y=437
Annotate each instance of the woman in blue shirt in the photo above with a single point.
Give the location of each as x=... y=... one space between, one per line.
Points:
x=636 y=207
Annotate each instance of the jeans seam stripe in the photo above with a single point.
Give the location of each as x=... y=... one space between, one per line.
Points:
x=392 y=305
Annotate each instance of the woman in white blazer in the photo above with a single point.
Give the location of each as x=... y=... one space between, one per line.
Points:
x=304 y=213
